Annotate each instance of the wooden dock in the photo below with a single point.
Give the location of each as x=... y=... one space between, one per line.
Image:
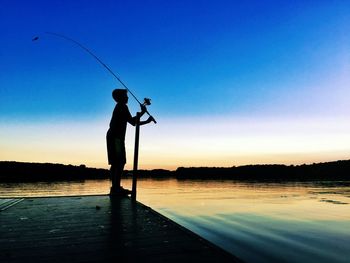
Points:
x=96 y=229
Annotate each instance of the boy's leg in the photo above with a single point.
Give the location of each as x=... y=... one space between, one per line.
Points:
x=116 y=173
x=112 y=172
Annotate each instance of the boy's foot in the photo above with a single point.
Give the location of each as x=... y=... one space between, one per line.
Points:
x=120 y=191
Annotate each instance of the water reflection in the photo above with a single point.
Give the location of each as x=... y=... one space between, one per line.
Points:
x=258 y=222
x=261 y=222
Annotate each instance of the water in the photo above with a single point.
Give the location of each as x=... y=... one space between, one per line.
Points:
x=258 y=222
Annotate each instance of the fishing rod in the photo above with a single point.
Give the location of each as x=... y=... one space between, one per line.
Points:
x=146 y=102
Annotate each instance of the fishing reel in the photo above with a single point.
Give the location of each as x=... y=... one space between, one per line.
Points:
x=146 y=102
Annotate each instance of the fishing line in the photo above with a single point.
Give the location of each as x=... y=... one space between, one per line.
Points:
x=146 y=100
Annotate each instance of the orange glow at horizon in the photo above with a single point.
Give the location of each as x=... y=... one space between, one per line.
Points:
x=185 y=142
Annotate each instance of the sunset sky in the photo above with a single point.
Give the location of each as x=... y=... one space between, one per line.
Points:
x=231 y=82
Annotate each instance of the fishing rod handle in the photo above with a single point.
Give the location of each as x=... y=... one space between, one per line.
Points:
x=146 y=111
x=152 y=117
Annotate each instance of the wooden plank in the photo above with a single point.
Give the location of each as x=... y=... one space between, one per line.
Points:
x=7 y=203
x=97 y=229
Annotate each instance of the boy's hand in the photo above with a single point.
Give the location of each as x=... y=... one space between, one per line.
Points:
x=143 y=109
x=150 y=119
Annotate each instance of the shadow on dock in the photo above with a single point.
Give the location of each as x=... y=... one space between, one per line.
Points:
x=97 y=229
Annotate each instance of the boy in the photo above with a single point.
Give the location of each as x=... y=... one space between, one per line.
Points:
x=116 y=138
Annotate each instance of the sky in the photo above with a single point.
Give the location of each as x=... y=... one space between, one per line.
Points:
x=231 y=82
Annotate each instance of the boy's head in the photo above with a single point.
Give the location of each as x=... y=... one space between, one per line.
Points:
x=120 y=95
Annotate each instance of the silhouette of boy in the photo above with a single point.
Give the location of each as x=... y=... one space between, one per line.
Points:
x=116 y=138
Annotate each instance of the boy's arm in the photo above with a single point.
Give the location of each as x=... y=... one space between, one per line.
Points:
x=132 y=120
x=150 y=119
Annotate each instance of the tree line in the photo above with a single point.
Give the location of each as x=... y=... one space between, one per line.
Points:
x=22 y=171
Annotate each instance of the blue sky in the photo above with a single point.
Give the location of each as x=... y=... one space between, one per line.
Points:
x=211 y=62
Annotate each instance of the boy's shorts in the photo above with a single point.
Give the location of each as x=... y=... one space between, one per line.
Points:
x=115 y=150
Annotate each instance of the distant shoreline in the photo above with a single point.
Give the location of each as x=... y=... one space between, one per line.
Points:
x=12 y=171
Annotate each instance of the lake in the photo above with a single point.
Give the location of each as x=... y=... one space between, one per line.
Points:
x=255 y=221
